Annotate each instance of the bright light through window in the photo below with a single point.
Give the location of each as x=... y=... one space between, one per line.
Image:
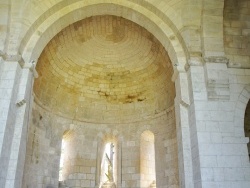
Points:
x=61 y=160
x=108 y=163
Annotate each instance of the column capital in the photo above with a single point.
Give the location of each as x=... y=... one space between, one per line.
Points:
x=195 y=61
x=10 y=58
x=18 y=58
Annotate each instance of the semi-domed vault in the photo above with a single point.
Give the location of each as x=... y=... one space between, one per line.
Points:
x=104 y=69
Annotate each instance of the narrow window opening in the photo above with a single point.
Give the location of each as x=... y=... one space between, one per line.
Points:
x=108 y=166
x=247 y=125
x=147 y=162
x=62 y=160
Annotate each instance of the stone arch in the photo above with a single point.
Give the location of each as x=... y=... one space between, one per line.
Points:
x=239 y=117
x=36 y=40
x=146 y=127
x=239 y=113
x=162 y=28
x=247 y=125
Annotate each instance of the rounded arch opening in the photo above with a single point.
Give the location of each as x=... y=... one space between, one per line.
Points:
x=65 y=156
x=46 y=32
x=247 y=125
x=108 y=162
x=104 y=69
x=241 y=116
x=165 y=31
x=147 y=159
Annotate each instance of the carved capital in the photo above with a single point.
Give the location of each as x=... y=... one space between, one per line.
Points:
x=8 y=57
x=17 y=58
x=196 y=61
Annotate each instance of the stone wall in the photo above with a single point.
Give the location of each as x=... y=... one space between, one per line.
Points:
x=237 y=32
x=210 y=102
x=81 y=151
x=42 y=152
x=219 y=146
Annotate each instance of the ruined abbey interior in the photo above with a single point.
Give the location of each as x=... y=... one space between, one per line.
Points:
x=124 y=93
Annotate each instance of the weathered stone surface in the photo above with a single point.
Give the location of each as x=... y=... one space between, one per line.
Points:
x=86 y=95
x=236 y=32
x=104 y=68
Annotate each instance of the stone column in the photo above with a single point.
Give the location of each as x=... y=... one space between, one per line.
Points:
x=183 y=130
x=198 y=92
x=18 y=146
x=9 y=81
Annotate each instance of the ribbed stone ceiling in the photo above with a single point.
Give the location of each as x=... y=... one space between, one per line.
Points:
x=104 y=69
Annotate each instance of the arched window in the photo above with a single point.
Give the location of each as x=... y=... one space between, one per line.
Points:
x=247 y=125
x=61 y=160
x=147 y=160
x=108 y=170
x=64 y=157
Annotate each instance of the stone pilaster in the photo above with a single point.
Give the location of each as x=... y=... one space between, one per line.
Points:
x=15 y=87
x=183 y=132
x=18 y=146
x=9 y=81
